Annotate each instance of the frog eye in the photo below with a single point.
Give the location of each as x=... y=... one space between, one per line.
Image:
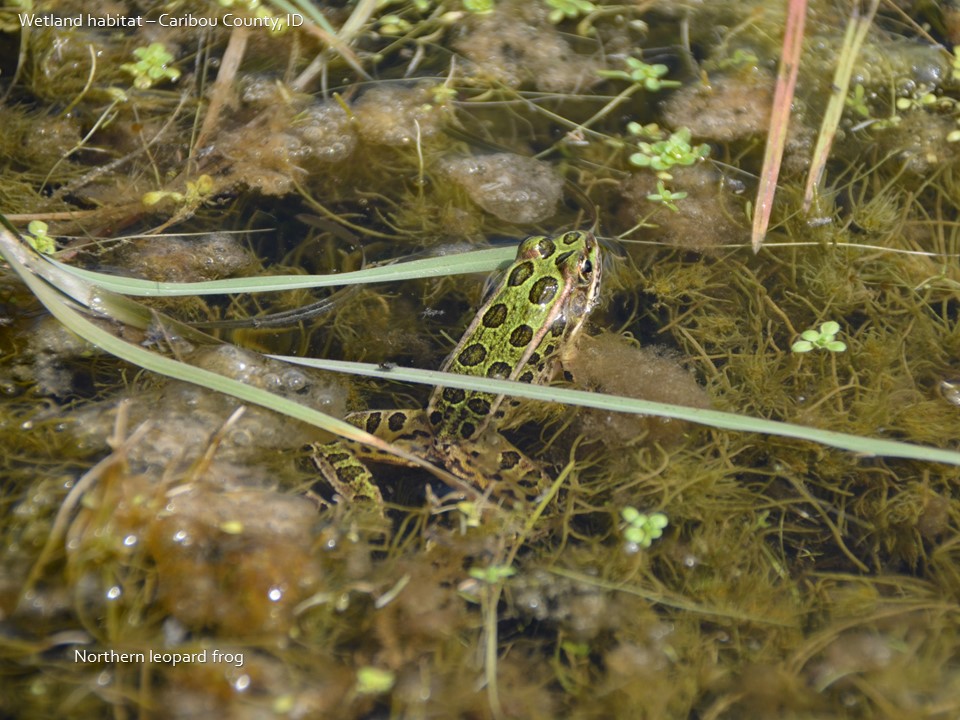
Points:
x=586 y=268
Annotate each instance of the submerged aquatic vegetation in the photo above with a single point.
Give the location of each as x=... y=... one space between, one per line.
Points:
x=38 y=238
x=650 y=77
x=823 y=339
x=641 y=529
x=794 y=579
x=665 y=152
x=153 y=65
x=666 y=197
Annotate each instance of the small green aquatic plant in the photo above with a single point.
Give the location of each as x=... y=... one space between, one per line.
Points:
x=471 y=514
x=641 y=73
x=921 y=98
x=374 y=681
x=822 y=339
x=666 y=197
x=641 y=529
x=955 y=64
x=568 y=9
x=856 y=100
x=197 y=191
x=492 y=574
x=740 y=58
x=255 y=7
x=394 y=25
x=38 y=238
x=479 y=7
x=665 y=152
x=152 y=66
x=924 y=97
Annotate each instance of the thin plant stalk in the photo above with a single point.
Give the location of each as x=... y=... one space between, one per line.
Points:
x=859 y=444
x=852 y=42
x=223 y=85
x=779 y=119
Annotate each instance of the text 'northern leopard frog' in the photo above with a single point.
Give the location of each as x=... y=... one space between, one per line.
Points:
x=528 y=324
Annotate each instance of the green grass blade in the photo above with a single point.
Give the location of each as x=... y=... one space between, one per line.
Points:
x=461 y=263
x=616 y=403
x=12 y=250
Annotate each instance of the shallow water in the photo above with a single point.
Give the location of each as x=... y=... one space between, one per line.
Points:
x=146 y=538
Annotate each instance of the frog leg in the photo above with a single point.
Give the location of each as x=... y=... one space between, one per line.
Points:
x=341 y=468
x=340 y=461
x=407 y=429
x=493 y=459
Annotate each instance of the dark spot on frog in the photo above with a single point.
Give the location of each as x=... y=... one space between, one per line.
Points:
x=521 y=336
x=396 y=421
x=373 y=422
x=472 y=355
x=520 y=274
x=453 y=395
x=495 y=315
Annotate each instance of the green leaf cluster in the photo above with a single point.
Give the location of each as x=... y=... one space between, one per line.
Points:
x=664 y=154
x=642 y=529
x=822 y=339
x=568 y=9
x=152 y=66
x=38 y=239
x=648 y=76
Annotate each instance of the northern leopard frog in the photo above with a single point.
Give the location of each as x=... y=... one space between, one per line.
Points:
x=528 y=324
